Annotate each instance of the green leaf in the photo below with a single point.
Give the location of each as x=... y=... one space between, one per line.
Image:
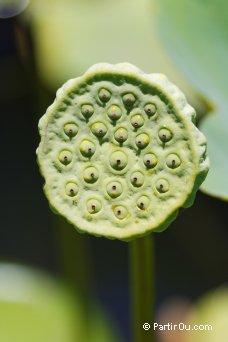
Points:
x=196 y=33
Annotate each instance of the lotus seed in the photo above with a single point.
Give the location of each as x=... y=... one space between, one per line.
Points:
x=137 y=120
x=121 y=135
x=173 y=161
x=87 y=148
x=129 y=99
x=87 y=111
x=143 y=202
x=118 y=160
x=70 y=129
x=137 y=178
x=93 y=206
x=150 y=160
x=71 y=189
x=142 y=140
x=120 y=212
x=162 y=185
x=114 y=112
x=104 y=95
x=65 y=157
x=165 y=135
x=99 y=129
x=150 y=109
x=114 y=189
x=91 y=174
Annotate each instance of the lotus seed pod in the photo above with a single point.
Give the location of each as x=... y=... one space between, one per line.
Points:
x=128 y=180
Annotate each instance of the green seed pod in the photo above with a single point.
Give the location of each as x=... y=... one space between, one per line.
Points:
x=71 y=130
x=142 y=140
x=99 y=129
x=150 y=160
x=137 y=120
x=87 y=148
x=87 y=111
x=118 y=160
x=114 y=112
x=134 y=188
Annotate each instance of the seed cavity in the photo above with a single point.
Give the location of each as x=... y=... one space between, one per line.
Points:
x=87 y=148
x=114 y=112
x=137 y=121
x=121 y=135
x=70 y=129
x=93 y=205
x=104 y=95
x=99 y=129
x=173 y=161
x=142 y=140
x=120 y=212
x=114 y=189
x=91 y=174
x=150 y=109
x=129 y=99
x=143 y=202
x=118 y=160
x=137 y=178
x=87 y=110
x=165 y=135
x=162 y=185
x=71 y=189
x=65 y=157
x=150 y=160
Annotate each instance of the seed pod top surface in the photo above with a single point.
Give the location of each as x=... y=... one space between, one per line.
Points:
x=120 y=153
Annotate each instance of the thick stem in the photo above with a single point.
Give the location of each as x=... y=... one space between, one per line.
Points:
x=142 y=287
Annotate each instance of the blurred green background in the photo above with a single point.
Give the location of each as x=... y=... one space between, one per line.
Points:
x=82 y=292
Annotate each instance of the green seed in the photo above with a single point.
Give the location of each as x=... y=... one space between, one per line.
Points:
x=142 y=140
x=71 y=189
x=65 y=157
x=114 y=112
x=137 y=178
x=118 y=160
x=91 y=174
x=121 y=135
x=173 y=161
x=70 y=129
x=104 y=95
x=120 y=212
x=87 y=110
x=150 y=160
x=165 y=135
x=114 y=189
x=87 y=148
x=93 y=205
x=129 y=99
x=99 y=129
x=143 y=202
x=137 y=120
x=162 y=185
x=150 y=109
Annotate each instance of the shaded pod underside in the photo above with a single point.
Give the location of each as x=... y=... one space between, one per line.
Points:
x=120 y=153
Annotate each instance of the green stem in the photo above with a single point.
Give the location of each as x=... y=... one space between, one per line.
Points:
x=142 y=287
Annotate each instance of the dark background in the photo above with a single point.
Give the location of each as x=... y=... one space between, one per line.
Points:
x=190 y=256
